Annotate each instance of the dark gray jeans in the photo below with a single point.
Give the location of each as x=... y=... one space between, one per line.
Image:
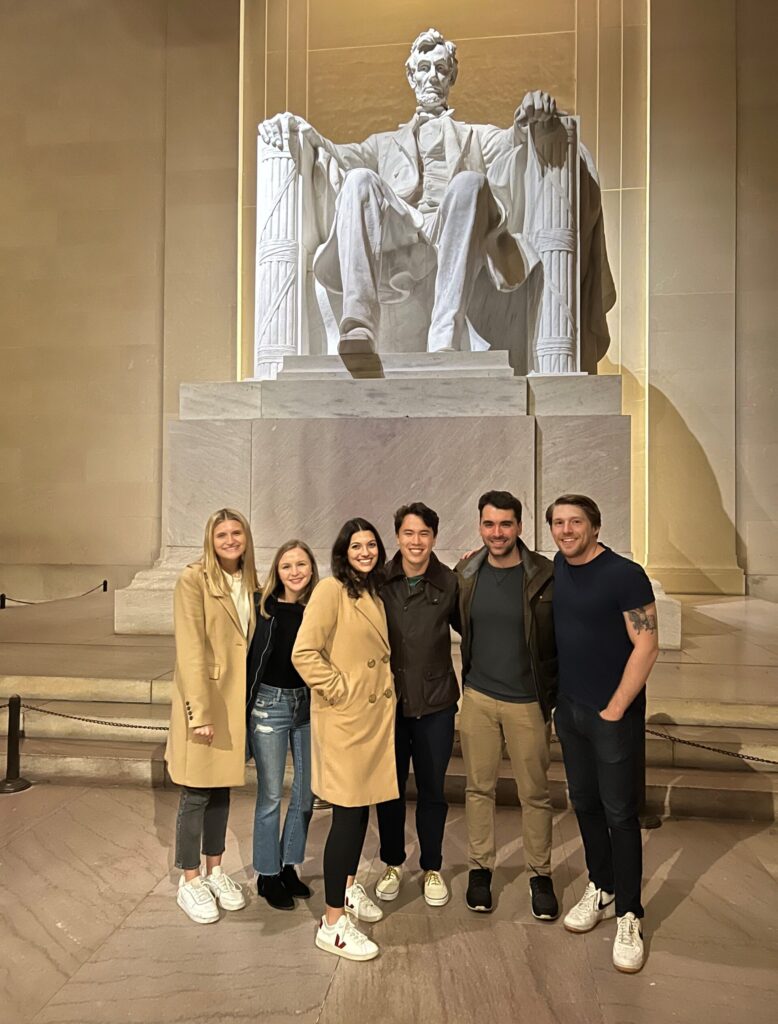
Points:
x=201 y=823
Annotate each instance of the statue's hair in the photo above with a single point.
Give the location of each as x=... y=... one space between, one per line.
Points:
x=426 y=41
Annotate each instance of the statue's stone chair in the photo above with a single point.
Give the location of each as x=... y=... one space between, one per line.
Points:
x=538 y=323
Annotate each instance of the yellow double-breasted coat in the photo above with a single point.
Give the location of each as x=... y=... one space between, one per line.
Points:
x=342 y=653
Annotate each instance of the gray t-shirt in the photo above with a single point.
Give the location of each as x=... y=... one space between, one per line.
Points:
x=500 y=665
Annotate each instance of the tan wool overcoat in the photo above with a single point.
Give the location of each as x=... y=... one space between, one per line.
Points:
x=210 y=686
x=342 y=653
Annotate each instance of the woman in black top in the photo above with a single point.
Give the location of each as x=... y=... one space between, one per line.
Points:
x=279 y=709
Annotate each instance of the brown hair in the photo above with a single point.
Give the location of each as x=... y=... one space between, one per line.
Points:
x=273 y=584
x=587 y=505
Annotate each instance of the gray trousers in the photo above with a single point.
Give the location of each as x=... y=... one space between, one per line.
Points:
x=201 y=824
x=467 y=213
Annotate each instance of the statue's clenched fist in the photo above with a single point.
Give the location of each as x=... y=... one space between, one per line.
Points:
x=536 y=107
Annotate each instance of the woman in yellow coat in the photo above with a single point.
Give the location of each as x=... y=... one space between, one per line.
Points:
x=342 y=653
x=213 y=614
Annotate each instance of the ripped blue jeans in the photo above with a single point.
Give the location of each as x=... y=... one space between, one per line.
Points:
x=280 y=720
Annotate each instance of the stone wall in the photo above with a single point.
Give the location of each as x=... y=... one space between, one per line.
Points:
x=118 y=131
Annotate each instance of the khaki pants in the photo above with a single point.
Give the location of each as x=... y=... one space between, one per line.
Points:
x=483 y=724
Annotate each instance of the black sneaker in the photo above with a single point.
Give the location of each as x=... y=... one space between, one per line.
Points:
x=293 y=884
x=479 y=890
x=275 y=892
x=544 y=901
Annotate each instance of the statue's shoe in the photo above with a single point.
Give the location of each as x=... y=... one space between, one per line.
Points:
x=356 y=342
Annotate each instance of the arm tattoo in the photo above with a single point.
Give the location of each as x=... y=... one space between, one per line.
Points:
x=641 y=620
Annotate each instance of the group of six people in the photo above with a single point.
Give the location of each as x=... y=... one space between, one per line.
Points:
x=354 y=676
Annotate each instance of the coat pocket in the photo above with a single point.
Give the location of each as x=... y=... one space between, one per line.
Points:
x=439 y=686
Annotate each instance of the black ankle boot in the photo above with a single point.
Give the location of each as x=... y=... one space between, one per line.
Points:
x=275 y=892
x=293 y=884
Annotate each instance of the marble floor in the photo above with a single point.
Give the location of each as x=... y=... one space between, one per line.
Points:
x=90 y=932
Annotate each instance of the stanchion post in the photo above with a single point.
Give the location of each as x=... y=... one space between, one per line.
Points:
x=12 y=783
x=105 y=586
x=2 y=600
x=646 y=820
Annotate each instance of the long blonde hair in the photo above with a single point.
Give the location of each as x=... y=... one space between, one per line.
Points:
x=213 y=570
x=273 y=584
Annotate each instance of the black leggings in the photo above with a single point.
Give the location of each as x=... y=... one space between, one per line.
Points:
x=343 y=850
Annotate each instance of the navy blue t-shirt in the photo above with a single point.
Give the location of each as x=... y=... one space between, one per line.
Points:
x=591 y=636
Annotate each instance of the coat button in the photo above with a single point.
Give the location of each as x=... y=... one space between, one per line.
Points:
x=371 y=698
x=388 y=693
x=371 y=663
x=385 y=659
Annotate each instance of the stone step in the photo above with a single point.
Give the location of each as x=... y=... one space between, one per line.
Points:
x=137 y=722
x=689 y=793
x=669 y=791
x=664 y=753
x=663 y=710
x=402 y=364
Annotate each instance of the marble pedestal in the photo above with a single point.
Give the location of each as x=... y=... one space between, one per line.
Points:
x=301 y=454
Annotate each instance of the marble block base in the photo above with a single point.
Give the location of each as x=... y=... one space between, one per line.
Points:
x=574 y=394
x=356 y=399
x=668 y=614
x=299 y=456
x=402 y=365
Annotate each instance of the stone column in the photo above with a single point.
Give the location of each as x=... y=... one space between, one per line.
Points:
x=552 y=212
x=277 y=313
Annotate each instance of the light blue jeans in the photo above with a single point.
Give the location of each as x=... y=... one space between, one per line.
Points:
x=281 y=719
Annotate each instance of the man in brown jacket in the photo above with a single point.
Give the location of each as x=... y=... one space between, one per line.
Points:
x=420 y=598
x=509 y=679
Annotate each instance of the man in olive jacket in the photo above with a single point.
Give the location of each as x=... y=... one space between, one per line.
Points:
x=509 y=678
x=420 y=598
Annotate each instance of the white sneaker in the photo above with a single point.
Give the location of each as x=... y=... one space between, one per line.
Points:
x=628 y=945
x=343 y=939
x=196 y=900
x=435 y=889
x=387 y=887
x=226 y=892
x=360 y=906
x=595 y=905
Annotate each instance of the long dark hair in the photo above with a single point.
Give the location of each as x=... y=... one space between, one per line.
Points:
x=356 y=583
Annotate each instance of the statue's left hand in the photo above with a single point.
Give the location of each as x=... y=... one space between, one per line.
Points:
x=535 y=107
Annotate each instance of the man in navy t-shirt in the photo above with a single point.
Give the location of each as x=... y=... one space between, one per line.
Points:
x=606 y=637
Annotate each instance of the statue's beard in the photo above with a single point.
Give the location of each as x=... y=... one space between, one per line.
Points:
x=431 y=99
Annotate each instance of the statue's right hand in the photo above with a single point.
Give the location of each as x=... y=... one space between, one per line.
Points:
x=276 y=130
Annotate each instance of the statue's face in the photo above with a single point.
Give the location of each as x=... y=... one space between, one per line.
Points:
x=431 y=78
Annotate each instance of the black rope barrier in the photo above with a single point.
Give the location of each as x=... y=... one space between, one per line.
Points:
x=94 y=721
x=13 y=783
x=714 y=750
x=555 y=739
x=4 y=598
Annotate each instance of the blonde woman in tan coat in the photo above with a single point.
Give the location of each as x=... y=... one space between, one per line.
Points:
x=206 y=749
x=342 y=653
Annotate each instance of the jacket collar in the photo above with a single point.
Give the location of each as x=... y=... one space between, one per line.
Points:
x=434 y=574
x=537 y=568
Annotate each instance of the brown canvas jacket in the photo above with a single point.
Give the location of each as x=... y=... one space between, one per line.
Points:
x=420 y=638
x=538 y=618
